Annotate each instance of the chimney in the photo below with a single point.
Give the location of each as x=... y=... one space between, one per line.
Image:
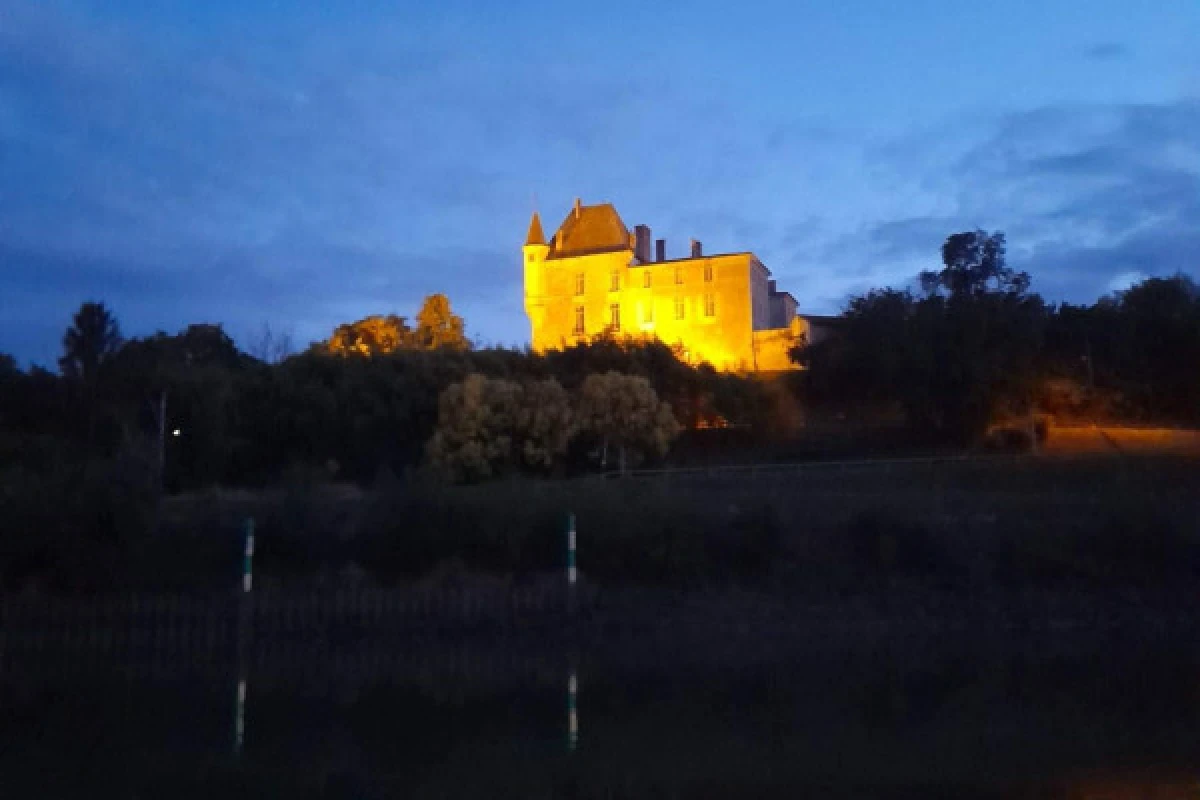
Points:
x=697 y=250
x=660 y=249
x=771 y=287
x=578 y=207
x=641 y=243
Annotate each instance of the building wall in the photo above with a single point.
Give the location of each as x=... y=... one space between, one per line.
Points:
x=783 y=309
x=760 y=295
x=772 y=346
x=724 y=339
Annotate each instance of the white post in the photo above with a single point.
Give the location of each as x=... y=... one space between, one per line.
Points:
x=243 y=643
x=239 y=720
x=572 y=714
x=572 y=571
x=248 y=557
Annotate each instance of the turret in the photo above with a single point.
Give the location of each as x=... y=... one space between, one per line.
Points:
x=535 y=252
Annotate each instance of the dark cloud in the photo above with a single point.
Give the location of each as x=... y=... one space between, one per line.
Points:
x=304 y=287
x=299 y=180
x=1085 y=195
x=275 y=169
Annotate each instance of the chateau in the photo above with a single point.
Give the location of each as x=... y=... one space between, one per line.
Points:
x=595 y=277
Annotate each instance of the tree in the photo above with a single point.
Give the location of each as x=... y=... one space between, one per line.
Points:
x=94 y=336
x=973 y=264
x=623 y=413
x=487 y=426
x=11 y=384
x=438 y=326
x=476 y=419
x=371 y=336
x=952 y=359
x=270 y=346
x=88 y=345
x=1158 y=346
x=545 y=424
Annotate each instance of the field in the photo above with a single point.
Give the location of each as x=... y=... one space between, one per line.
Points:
x=1104 y=519
x=891 y=628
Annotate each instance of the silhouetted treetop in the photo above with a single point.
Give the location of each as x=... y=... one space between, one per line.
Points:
x=93 y=337
x=974 y=263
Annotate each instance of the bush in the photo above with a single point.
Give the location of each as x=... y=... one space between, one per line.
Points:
x=74 y=529
x=1015 y=436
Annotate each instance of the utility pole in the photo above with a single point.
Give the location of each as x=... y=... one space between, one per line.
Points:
x=1091 y=372
x=162 y=440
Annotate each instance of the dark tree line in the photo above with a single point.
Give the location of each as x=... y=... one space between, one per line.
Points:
x=87 y=452
x=197 y=411
x=974 y=345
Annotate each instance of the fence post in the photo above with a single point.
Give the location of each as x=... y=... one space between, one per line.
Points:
x=572 y=713
x=248 y=557
x=572 y=572
x=244 y=633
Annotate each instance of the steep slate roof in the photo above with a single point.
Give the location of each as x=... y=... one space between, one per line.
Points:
x=594 y=229
x=535 y=235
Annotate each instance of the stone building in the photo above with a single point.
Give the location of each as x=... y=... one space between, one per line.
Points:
x=594 y=277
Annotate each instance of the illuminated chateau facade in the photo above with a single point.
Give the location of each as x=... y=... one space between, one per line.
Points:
x=595 y=277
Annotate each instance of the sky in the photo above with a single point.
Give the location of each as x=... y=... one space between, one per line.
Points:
x=296 y=165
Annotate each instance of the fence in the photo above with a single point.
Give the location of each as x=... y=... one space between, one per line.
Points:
x=212 y=626
x=881 y=465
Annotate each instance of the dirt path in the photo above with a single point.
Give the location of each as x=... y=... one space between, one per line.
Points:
x=1095 y=439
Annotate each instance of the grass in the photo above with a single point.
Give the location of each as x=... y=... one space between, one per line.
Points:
x=1084 y=521
x=958 y=525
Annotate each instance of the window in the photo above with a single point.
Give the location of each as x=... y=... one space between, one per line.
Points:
x=648 y=312
x=614 y=316
x=579 y=283
x=579 y=320
x=678 y=308
x=646 y=279
x=529 y=257
x=710 y=305
x=615 y=283
x=678 y=275
x=708 y=272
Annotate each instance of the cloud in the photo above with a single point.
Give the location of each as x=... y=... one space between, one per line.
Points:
x=303 y=170
x=317 y=175
x=1087 y=195
x=1107 y=51
x=304 y=286
x=1121 y=282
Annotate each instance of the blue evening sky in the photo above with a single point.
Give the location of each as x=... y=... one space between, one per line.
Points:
x=301 y=164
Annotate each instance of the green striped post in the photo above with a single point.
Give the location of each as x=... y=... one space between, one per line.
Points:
x=572 y=571
x=572 y=715
x=244 y=634
x=248 y=557
x=239 y=717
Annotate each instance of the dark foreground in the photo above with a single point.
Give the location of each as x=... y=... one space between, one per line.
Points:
x=864 y=709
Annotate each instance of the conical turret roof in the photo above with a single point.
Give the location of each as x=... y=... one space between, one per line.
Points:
x=535 y=235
